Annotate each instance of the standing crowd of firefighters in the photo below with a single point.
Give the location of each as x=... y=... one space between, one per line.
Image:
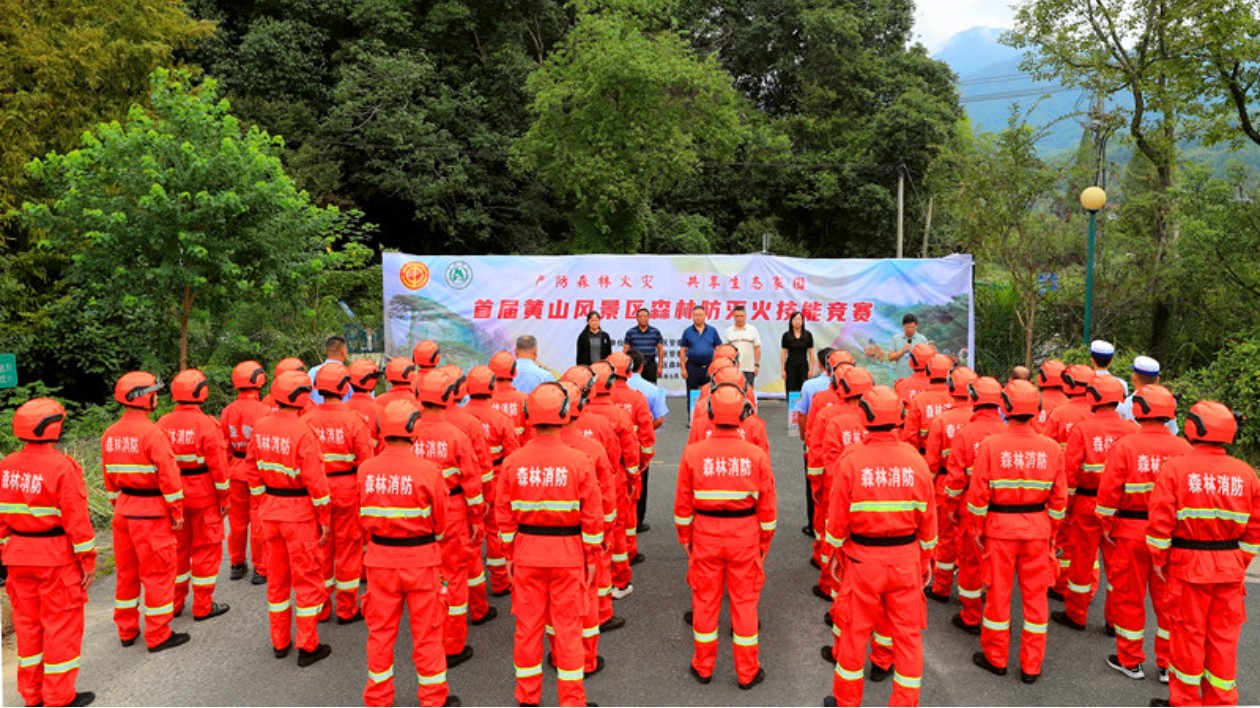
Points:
x=451 y=485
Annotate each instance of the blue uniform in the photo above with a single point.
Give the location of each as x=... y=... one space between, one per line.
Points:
x=808 y=389
x=644 y=342
x=654 y=395
x=315 y=395
x=529 y=375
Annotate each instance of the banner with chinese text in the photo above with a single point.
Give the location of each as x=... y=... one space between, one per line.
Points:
x=474 y=306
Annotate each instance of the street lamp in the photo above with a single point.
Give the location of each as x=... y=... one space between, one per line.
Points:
x=1092 y=199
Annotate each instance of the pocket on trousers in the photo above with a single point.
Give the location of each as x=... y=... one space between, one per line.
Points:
x=72 y=586
x=307 y=558
x=213 y=525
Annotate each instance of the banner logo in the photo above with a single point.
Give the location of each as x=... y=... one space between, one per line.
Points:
x=459 y=275
x=414 y=275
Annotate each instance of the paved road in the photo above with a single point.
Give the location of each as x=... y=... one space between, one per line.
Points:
x=229 y=660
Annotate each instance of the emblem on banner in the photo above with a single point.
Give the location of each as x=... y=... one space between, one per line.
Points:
x=459 y=275
x=414 y=275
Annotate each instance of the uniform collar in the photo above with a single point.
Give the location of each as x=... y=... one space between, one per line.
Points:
x=882 y=437
x=186 y=407
x=1200 y=449
x=1106 y=413
x=332 y=404
x=40 y=448
x=1153 y=427
x=716 y=432
x=135 y=414
x=248 y=394
x=989 y=413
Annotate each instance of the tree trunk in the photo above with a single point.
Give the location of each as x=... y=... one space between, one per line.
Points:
x=1165 y=229
x=183 y=328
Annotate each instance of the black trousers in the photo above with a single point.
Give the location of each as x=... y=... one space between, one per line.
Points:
x=649 y=370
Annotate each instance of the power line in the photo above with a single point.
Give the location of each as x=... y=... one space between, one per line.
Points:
x=993 y=79
x=1022 y=93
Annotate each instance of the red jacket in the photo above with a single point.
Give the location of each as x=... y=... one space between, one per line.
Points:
x=923 y=408
x=1018 y=468
x=622 y=426
x=636 y=406
x=575 y=438
x=1088 y=444
x=598 y=428
x=844 y=431
x=546 y=483
x=821 y=401
x=962 y=454
x=1062 y=419
x=361 y=402
x=752 y=429
x=940 y=439
x=284 y=455
x=344 y=444
x=136 y=454
x=471 y=425
x=401 y=496
x=237 y=424
x=1134 y=463
x=201 y=454
x=399 y=392
x=42 y=489
x=448 y=447
x=816 y=457
x=1205 y=495
x=510 y=402
x=1051 y=400
x=725 y=473
x=498 y=428
x=911 y=386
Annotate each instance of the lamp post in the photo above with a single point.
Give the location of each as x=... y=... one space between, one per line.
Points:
x=1092 y=199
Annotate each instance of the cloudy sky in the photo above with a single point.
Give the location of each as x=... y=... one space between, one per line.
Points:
x=938 y=20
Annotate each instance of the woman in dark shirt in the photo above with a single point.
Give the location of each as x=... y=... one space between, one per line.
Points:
x=593 y=344
x=797 y=356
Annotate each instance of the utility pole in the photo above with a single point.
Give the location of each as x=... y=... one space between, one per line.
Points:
x=927 y=226
x=901 y=208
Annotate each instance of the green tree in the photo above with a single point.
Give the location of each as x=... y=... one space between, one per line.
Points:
x=178 y=208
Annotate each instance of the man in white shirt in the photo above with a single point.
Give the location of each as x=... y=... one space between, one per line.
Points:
x=747 y=341
x=1145 y=373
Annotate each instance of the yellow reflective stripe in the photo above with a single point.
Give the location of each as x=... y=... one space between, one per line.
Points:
x=1133 y=635
x=620 y=557
x=112 y=495
x=339 y=457
x=769 y=525
x=309 y=611
x=455 y=610
x=496 y=562
x=978 y=510
x=1021 y=483
x=257 y=491
x=907 y=681
x=320 y=501
x=945 y=566
x=969 y=594
x=889 y=506
x=85 y=546
x=593 y=538
x=25 y=662
x=193 y=457
x=632 y=531
x=632 y=470
x=1104 y=511
x=183 y=578
x=474 y=501
x=222 y=486
x=528 y=671
x=1218 y=683
x=348 y=584
x=647 y=450
x=588 y=632
x=725 y=494
x=1249 y=547
x=396 y=512
x=847 y=675
x=570 y=674
x=277 y=467
x=745 y=641
x=487 y=477
x=1034 y=627
x=379 y=676
x=605 y=591
x=1079 y=589
x=173 y=496
x=1158 y=542
x=496 y=449
x=126 y=604
x=434 y=680
x=63 y=667
x=1240 y=517
x=1162 y=633
x=881 y=639
x=279 y=606
x=130 y=469
x=507 y=536
x=1094 y=468
x=29 y=510
x=1139 y=487
x=1188 y=679
x=953 y=493
x=833 y=541
x=1058 y=514
x=704 y=637
x=477 y=581
x=547 y=505
x=612 y=516
x=995 y=626
x=927 y=545
x=160 y=610
x=203 y=582
x=450 y=471
x=814 y=471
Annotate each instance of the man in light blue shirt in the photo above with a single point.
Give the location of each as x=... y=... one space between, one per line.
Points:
x=808 y=389
x=1145 y=373
x=335 y=349
x=528 y=373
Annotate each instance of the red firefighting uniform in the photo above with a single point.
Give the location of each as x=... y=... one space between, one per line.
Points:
x=752 y=429
x=883 y=519
x=478 y=596
x=1051 y=400
x=398 y=392
x=598 y=428
x=143 y=483
x=922 y=409
x=286 y=467
x=510 y=402
x=910 y=386
x=725 y=510
x=1018 y=495
x=1204 y=504
x=1124 y=494
x=273 y=407
x=813 y=431
x=201 y=454
x=237 y=423
x=344 y=444
x=448 y=447
x=403 y=505
x=361 y=402
x=1059 y=424
x=844 y=429
x=635 y=405
x=984 y=422
x=623 y=426
x=1086 y=460
x=50 y=546
x=500 y=433
x=551 y=520
x=940 y=443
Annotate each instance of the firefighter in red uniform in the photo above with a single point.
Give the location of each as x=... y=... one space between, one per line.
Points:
x=403 y=507
x=725 y=510
x=144 y=485
x=751 y=429
x=917 y=381
x=837 y=362
x=287 y=468
x=399 y=373
x=842 y=427
x=601 y=404
x=929 y=403
x=47 y=534
x=501 y=437
x=940 y=443
x=1050 y=380
x=1018 y=495
x=1086 y=460
x=1058 y=425
x=882 y=527
x=364 y=373
x=1124 y=494
x=200 y=453
x=284 y=365
x=426 y=356
x=551 y=522
x=344 y=444
x=446 y=445
x=635 y=404
x=506 y=398
x=1204 y=531
x=237 y=424
x=986 y=396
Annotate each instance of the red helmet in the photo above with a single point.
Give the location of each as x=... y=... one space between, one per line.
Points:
x=1050 y=373
x=726 y=350
x=729 y=375
x=1154 y=402
x=248 y=375
x=1209 y=421
x=439 y=388
x=575 y=393
x=959 y=379
x=881 y=406
x=333 y=377
x=985 y=391
x=1076 y=378
x=839 y=357
x=398 y=420
x=855 y=381
x=364 y=374
x=1105 y=390
x=938 y=367
x=291 y=389
x=581 y=375
x=1021 y=398
x=621 y=364
x=39 y=420
x=137 y=389
x=920 y=354
x=547 y=405
x=190 y=386
x=604 y=377
x=289 y=364
x=727 y=405
x=399 y=370
x=503 y=364
x=426 y=354
x=457 y=375
x=719 y=363
x=480 y=381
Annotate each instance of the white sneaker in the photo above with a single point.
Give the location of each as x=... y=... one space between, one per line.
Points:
x=620 y=593
x=1163 y=674
x=1134 y=672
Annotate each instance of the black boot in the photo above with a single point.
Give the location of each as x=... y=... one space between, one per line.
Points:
x=1061 y=617
x=453 y=660
x=489 y=615
x=960 y=623
x=176 y=639
x=306 y=658
x=979 y=659
x=83 y=698
x=215 y=610
x=761 y=676
x=238 y=571
x=878 y=675
x=358 y=617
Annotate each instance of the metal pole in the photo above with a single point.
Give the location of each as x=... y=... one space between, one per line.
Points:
x=1089 y=280
x=901 y=207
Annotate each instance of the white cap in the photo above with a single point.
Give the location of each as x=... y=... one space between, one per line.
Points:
x=1102 y=348
x=1146 y=366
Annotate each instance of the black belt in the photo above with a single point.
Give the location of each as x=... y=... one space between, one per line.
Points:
x=1133 y=514
x=457 y=490
x=194 y=471
x=140 y=492
x=496 y=462
x=862 y=540
x=238 y=455
x=406 y=541
x=46 y=533
x=343 y=473
x=1193 y=545
x=1086 y=492
x=1017 y=508
x=533 y=530
x=728 y=513
x=282 y=492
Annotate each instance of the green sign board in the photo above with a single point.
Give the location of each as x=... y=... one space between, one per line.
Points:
x=8 y=371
